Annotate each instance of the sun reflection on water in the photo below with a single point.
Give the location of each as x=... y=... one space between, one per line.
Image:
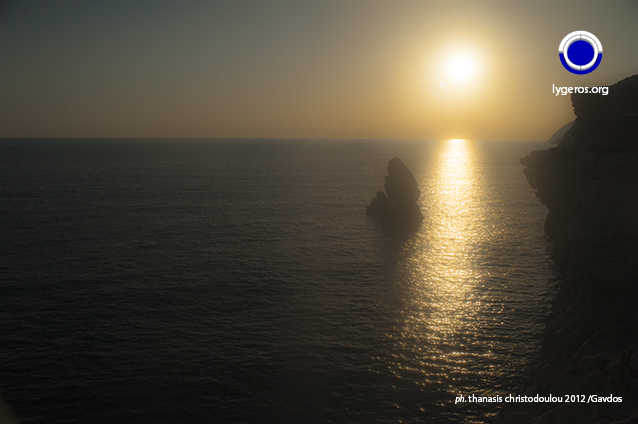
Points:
x=439 y=317
x=455 y=211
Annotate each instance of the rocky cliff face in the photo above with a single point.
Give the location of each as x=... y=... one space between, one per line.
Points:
x=590 y=344
x=557 y=137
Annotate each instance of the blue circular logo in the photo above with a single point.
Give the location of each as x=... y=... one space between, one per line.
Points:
x=580 y=52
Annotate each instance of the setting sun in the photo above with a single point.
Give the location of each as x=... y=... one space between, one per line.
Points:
x=461 y=68
x=459 y=71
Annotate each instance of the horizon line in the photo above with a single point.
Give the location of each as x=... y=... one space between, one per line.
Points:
x=258 y=138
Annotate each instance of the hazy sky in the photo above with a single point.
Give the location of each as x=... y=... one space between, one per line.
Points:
x=295 y=68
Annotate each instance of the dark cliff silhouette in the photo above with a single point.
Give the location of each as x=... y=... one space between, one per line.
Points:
x=590 y=343
x=397 y=208
x=560 y=133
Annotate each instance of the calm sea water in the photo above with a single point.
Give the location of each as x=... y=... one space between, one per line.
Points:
x=211 y=281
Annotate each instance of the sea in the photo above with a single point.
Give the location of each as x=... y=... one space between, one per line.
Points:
x=240 y=281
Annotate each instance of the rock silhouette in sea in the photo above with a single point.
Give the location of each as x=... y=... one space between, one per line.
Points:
x=397 y=208
x=590 y=343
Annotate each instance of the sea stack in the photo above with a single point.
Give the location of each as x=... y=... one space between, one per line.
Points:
x=397 y=208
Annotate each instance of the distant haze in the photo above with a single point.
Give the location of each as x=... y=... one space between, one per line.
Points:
x=299 y=69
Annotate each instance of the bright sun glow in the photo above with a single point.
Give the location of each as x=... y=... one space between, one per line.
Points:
x=461 y=68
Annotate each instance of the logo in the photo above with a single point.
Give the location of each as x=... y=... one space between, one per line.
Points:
x=580 y=52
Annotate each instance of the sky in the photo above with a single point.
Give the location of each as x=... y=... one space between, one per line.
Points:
x=300 y=68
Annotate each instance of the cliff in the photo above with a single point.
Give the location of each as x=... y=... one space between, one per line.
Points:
x=590 y=343
x=560 y=133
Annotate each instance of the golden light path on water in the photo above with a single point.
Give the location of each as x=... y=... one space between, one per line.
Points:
x=453 y=215
x=439 y=338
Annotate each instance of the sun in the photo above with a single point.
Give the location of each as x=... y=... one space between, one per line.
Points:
x=461 y=68
x=460 y=72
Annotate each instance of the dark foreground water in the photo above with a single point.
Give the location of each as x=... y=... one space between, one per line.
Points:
x=181 y=281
